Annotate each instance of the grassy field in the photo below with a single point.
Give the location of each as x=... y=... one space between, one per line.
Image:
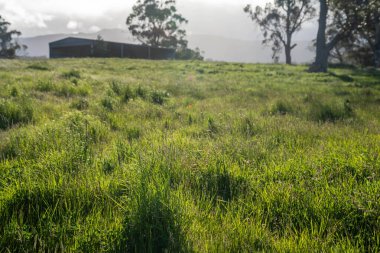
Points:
x=140 y=156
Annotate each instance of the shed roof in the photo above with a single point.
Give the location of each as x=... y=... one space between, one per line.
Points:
x=74 y=41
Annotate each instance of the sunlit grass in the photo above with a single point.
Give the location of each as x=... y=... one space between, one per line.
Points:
x=166 y=156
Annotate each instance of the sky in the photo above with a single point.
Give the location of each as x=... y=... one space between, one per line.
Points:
x=211 y=17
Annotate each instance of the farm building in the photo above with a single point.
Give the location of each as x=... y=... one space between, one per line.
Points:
x=77 y=47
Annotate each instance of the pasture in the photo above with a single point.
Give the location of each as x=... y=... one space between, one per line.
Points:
x=110 y=155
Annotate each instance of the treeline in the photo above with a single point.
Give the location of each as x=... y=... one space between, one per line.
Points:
x=348 y=30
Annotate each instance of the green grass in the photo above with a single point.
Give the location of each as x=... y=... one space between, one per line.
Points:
x=167 y=156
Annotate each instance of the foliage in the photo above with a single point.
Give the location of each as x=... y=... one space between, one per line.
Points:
x=189 y=54
x=8 y=47
x=346 y=24
x=279 y=22
x=156 y=23
x=360 y=45
x=100 y=47
x=238 y=158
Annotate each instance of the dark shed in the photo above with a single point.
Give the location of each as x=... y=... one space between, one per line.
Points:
x=78 y=47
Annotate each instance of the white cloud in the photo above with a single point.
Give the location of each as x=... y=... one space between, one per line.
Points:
x=73 y=25
x=70 y=8
x=94 y=29
x=15 y=13
x=213 y=17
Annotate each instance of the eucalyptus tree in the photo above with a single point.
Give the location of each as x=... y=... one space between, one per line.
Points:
x=157 y=23
x=280 y=21
x=8 y=47
x=346 y=22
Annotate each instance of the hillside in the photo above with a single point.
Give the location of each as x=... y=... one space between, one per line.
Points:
x=110 y=155
x=214 y=47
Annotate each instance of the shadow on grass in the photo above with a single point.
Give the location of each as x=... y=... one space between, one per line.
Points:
x=343 y=78
x=153 y=220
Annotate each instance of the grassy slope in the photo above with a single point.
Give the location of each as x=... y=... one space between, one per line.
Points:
x=123 y=155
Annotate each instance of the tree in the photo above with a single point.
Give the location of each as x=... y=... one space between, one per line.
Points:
x=8 y=47
x=367 y=37
x=156 y=23
x=346 y=20
x=377 y=46
x=280 y=22
x=100 y=47
x=189 y=54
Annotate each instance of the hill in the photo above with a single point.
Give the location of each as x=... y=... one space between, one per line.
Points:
x=214 y=47
x=117 y=155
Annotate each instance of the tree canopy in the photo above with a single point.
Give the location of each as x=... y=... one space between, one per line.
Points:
x=156 y=23
x=8 y=47
x=349 y=25
x=280 y=21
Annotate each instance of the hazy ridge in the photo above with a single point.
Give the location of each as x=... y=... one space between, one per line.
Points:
x=214 y=47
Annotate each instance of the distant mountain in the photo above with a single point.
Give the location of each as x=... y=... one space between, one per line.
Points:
x=39 y=46
x=233 y=50
x=214 y=47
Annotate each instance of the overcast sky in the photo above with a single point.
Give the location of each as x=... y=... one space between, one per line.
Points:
x=212 y=17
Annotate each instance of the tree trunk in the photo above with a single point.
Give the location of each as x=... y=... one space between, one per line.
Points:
x=288 y=55
x=321 y=59
x=377 y=46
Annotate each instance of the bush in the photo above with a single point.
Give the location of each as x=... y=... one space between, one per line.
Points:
x=189 y=54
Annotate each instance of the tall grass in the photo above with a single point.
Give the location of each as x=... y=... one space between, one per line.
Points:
x=15 y=112
x=187 y=157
